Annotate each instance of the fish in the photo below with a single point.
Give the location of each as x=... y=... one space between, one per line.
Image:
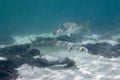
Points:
x=70 y=28
x=52 y=47
x=56 y=48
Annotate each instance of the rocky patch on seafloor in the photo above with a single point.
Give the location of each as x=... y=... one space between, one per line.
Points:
x=18 y=55
x=7 y=70
x=104 y=49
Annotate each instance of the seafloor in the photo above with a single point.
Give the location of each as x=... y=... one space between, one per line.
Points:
x=100 y=62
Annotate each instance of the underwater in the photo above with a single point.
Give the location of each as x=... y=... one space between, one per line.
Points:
x=59 y=39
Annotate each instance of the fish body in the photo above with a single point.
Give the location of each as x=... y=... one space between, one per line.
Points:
x=53 y=47
x=69 y=28
x=56 y=48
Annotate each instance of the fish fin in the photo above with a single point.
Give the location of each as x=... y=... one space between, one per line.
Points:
x=30 y=40
x=69 y=35
x=86 y=25
x=32 y=43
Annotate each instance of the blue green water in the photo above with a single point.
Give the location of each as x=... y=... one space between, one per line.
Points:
x=37 y=16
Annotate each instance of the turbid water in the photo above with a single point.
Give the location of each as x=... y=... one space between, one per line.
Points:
x=20 y=19
x=33 y=17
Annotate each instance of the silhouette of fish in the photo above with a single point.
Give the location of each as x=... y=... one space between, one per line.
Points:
x=70 y=27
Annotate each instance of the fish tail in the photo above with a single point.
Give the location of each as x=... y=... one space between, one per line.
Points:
x=32 y=43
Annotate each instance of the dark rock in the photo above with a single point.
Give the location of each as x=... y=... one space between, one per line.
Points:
x=41 y=62
x=20 y=54
x=104 y=49
x=68 y=62
x=14 y=50
x=34 y=52
x=116 y=49
x=7 y=70
x=98 y=48
x=17 y=61
x=16 y=53
x=45 y=63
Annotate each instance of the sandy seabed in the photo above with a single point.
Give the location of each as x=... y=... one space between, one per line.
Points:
x=88 y=67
